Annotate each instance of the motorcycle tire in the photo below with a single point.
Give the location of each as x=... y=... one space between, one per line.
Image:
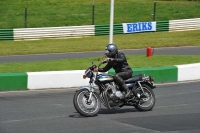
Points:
x=85 y=108
x=150 y=94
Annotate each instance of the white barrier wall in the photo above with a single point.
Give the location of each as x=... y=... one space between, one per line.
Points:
x=184 y=24
x=64 y=79
x=189 y=72
x=89 y=30
x=56 y=79
x=53 y=32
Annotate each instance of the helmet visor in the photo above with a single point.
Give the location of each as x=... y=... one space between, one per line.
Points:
x=106 y=52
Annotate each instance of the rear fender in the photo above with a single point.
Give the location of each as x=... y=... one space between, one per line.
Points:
x=137 y=85
x=149 y=84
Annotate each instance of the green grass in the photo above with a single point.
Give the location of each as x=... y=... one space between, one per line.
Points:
x=135 y=61
x=52 y=13
x=98 y=43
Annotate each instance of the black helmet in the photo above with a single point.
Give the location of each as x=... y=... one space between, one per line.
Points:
x=111 y=49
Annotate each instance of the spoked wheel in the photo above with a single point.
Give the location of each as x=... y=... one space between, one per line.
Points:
x=85 y=107
x=147 y=99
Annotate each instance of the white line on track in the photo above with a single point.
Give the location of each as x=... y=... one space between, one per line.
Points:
x=182 y=93
x=180 y=82
x=178 y=105
x=172 y=106
x=39 y=118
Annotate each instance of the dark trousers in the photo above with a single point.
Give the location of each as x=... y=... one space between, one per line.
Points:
x=120 y=77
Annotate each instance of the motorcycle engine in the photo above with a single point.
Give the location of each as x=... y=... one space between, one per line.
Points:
x=113 y=91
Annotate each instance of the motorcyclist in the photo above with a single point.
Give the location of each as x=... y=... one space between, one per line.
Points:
x=117 y=61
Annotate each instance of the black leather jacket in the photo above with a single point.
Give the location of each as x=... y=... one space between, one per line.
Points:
x=119 y=64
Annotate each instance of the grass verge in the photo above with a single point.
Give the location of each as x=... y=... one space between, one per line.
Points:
x=135 y=61
x=98 y=43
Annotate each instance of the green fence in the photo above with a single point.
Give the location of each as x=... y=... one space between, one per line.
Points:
x=6 y=34
x=105 y=29
x=99 y=30
x=162 y=26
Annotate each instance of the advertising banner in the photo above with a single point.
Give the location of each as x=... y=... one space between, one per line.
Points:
x=139 y=27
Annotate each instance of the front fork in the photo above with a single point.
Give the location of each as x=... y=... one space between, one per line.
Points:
x=90 y=97
x=90 y=89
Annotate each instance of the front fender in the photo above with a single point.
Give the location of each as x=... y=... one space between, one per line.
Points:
x=84 y=87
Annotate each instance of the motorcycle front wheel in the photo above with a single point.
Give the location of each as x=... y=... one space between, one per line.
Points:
x=85 y=107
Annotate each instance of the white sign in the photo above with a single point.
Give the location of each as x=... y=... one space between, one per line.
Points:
x=139 y=27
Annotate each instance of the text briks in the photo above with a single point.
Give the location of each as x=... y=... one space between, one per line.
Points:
x=139 y=27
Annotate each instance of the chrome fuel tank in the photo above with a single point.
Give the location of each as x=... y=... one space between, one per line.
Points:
x=105 y=78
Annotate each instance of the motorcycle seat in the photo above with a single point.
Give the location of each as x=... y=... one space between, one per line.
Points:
x=134 y=78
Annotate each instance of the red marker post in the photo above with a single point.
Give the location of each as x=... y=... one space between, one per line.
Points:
x=149 y=51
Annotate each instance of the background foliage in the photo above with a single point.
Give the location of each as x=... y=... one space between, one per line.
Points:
x=53 y=13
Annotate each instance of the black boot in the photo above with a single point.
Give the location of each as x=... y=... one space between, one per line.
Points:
x=127 y=91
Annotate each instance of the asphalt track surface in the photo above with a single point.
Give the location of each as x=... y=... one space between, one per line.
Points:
x=191 y=50
x=177 y=110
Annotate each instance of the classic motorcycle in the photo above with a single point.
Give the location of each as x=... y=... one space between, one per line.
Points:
x=102 y=89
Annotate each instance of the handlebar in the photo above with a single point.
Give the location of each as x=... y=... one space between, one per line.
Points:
x=103 y=62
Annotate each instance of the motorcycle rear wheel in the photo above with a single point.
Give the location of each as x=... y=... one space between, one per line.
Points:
x=147 y=100
x=85 y=108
